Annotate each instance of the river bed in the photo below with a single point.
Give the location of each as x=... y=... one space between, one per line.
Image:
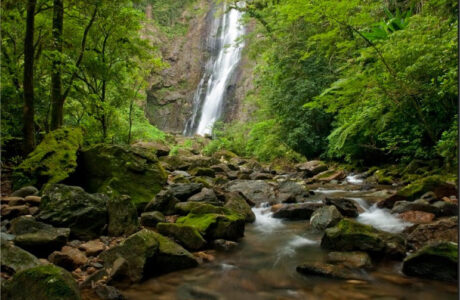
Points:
x=264 y=265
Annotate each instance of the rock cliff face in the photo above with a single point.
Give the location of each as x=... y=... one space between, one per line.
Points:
x=170 y=92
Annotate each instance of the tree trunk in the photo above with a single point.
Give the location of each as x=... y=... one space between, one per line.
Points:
x=28 y=110
x=57 y=100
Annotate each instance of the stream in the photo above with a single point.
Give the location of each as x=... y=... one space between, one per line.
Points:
x=264 y=264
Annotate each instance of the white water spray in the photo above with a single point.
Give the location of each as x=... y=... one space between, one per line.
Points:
x=210 y=93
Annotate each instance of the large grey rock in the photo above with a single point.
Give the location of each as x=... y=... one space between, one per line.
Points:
x=206 y=195
x=311 y=168
x=183 y=191
x=36 y=237
x=297 y=211
x=299 y=192
x=420 y=205
x=152 y=218
x=70 y=206
x=324 y=217
x=346 y=207
x=164 y=202
x=257 y=191
x=434 y=261
x=15 y=259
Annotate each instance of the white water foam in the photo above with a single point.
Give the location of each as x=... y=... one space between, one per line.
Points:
x=382 y=219
x=354 y=179
x=265 y=223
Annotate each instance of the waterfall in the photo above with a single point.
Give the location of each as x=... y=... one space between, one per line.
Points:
x=208 y=100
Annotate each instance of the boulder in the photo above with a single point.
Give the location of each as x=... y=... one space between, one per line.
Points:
x=324 y=217
x=42 y=282
x=419 y=205
x=311 y=168
x=151 y=218
x=158 y=148
x=144 y=254
x=187 y=236
x=417 y=217
x=92 y=248
x=36 y=237
x=70 y=206
x=446 y=209
x=260 y=176
x=10 y=212
x=33 y=200
x=220 y=168
x=14 y=259
x=52 y=161
x=68 y=258
x=163 y=202
x=183 y=191
x=353 y=259
x=296 y=211
x=327 y=270
x=436 y=261
x=257 y=191
x=416 y=189
x=444 y=229
x=329 y=175
x=206 y=195
x=236 y=202
x=122 y=216
x=349 y=235
x=203 y=172
x=25 y=191
x=299 y=192
x=346 y=207
x=215 y=224
x=121 y=170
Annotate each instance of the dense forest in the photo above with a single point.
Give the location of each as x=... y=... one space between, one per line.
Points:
x=220 y=149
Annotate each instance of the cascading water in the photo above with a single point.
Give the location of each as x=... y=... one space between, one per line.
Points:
x=209 y=97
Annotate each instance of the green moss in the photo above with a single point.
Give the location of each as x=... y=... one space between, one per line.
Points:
x=382 y=178
x=349 y=226
x=199 y=221
x=419 y=187
x=203 y=181
x=43 y=282
x=54 y=159
x=186 y=235
x=444 y=249
x=326 y=174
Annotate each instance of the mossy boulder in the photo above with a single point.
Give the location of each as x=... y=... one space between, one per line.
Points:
x=324 y=217
x=42 y=282
x=236 y=202
x=186 y=235
x=14 y=259
x=349 y=235
x=224 y=154
x=434 y=261
x=121 y=170
x=433 y=183
x=382 y=178
x=36 y=237
x=70 y=206
x=145 y=254
x=203 y=172
x=164 y=202
x=215 y=223
x=54 y=159
x=183 y=208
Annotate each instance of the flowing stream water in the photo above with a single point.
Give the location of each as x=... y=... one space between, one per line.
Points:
x=264 y=265
x=209 y=97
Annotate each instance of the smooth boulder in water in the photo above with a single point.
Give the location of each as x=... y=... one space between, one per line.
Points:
x=324 y=217
x=236 y=202
x=346 y=207
x=434 y=261
x=349 y=235
x=296 y=211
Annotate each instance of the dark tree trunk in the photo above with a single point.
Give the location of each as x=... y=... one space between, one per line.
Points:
x=57 y=100
x=28 y=111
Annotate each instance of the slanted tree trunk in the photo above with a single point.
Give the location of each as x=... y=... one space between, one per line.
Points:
x=28 y=110
x=57 y=100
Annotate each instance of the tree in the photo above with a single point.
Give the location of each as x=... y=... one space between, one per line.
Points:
x=28 y=111
x=57 y=105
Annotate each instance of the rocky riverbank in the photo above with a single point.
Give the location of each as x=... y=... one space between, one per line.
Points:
x=90 y=222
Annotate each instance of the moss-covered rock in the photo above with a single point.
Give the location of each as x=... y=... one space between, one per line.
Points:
x=145 y=254
x=122 y=170
x=36 y=237
x=42 y=282
x=186 y=235
x=434 y=261
x=433 y=183
x=183 y=208
x=236 y=202
x=382 y=178
x=349 y=235
x=164 y=202
x=152 y=218
x=14 y=259
x=203 y=172
x=215 y=222
x=70 y=206
x=54 y=159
